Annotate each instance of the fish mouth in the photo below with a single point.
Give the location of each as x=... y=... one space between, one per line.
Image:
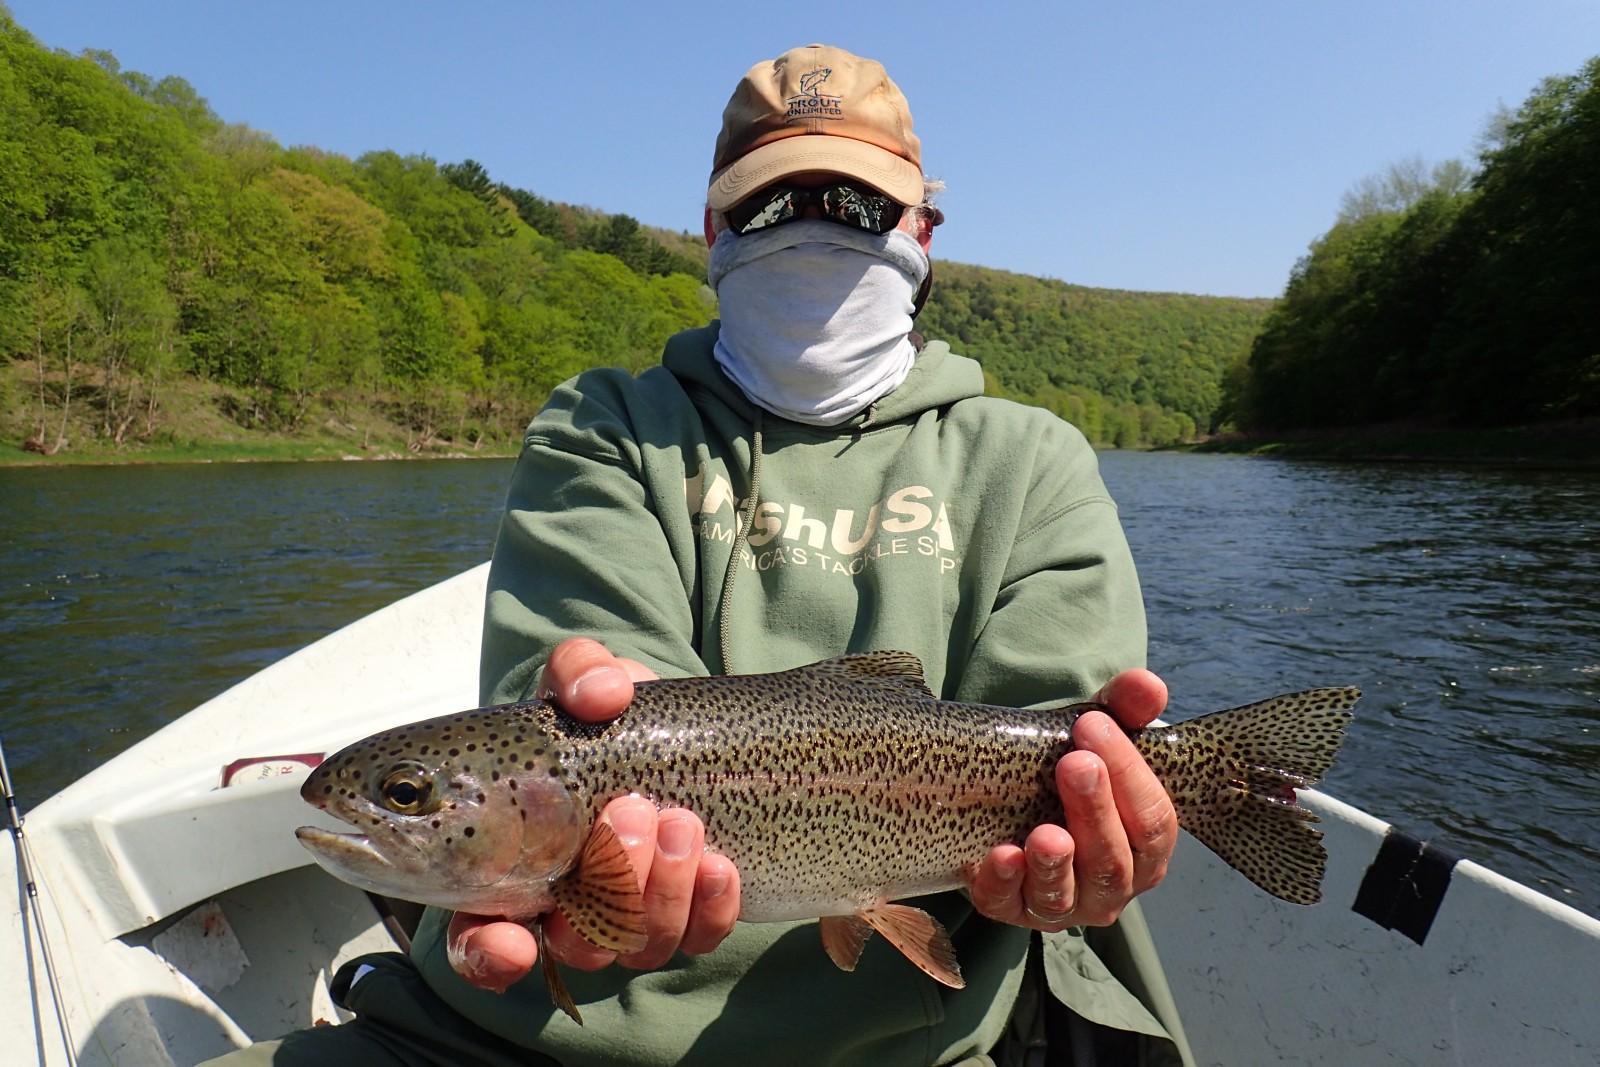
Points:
x=328 y=843
x=344 y=851
x=355 y=859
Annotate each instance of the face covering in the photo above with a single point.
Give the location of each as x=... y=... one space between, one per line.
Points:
x=815 y=316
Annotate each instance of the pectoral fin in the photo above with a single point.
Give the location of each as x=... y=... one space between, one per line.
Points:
x=552 y=978
x=920 y=938
x=601 y=896
x=844 y=936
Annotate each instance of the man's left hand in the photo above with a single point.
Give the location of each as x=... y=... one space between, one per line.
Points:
x=1120 y=830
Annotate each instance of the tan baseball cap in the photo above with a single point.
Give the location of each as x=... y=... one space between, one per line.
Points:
x=816 y=108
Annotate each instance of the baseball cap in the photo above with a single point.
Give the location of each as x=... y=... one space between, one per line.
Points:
x=816 y=108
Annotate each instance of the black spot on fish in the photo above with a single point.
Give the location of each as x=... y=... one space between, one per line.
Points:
x=469 y=831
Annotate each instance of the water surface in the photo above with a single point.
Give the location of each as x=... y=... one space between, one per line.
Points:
x=1464 y=601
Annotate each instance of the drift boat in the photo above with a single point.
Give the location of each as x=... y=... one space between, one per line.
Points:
x=164 y=912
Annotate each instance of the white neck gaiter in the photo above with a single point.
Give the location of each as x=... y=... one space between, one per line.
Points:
x=818 y=332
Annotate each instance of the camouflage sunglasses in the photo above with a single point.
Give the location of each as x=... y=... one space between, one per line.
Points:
x=845 y=202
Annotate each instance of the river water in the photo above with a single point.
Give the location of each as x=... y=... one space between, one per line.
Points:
x=1464 y=601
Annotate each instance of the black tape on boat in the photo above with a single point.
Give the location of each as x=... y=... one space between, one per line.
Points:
x=1405 y=885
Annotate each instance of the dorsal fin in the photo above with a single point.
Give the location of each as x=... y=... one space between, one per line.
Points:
x=899 y=673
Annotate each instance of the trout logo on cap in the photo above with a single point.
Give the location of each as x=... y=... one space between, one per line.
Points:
x=811 y=104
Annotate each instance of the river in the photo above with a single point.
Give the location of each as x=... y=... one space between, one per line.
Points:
x=1464 y=601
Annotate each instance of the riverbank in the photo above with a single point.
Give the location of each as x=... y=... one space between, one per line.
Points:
x=192 y=424
x=266 y=448
x=1569 y=443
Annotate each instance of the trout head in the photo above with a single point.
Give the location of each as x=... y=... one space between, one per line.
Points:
x=466 y=812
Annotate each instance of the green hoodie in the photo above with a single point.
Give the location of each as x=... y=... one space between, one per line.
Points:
x=971 y=531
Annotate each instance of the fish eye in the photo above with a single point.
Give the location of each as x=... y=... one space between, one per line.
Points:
x=407 y=789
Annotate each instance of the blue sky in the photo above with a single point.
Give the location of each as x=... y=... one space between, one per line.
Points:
x=1159 y=145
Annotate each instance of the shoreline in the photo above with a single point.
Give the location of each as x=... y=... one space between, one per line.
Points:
x=1566 y=444
x=268 y=453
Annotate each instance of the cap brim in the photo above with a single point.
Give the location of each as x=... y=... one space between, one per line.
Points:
x=761 y=166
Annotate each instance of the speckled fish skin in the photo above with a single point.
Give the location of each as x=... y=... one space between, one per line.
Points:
x=833 y=788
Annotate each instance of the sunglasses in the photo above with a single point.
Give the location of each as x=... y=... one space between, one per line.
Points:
x=847 y=203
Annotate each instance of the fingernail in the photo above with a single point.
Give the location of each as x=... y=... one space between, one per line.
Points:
x=1083 y=780
x=713 y=885
x=1097 y=727
x=484 y=974
x=596 y=678
x=1046 y=861
x=632 y=824
x=674 y=838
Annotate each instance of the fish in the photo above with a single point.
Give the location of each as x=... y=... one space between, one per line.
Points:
x=837 y=789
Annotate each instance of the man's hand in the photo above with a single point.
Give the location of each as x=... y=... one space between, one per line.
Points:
x=691 y=896
x=1122 y=825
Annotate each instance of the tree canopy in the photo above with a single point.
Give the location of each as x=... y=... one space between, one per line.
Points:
x=1448 y=300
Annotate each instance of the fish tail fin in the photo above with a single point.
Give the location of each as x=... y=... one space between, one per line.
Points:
x=1232 y=776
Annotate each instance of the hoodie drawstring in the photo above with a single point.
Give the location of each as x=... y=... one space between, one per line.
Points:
x=725 y=619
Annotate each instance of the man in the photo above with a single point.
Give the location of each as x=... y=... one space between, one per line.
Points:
x=801 y=479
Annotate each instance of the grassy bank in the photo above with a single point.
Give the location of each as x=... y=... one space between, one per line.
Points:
x=267 y=448
x=192 y=424
x=1558 y=444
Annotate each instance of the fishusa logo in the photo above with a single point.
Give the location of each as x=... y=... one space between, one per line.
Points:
x=811 y=104
x=909 y=522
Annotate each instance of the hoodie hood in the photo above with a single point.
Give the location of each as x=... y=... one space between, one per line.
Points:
x=938 y=378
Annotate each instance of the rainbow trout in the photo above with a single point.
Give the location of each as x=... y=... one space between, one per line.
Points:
x=836 y=789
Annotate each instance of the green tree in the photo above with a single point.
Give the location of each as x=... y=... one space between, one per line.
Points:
x=1459 y=303
x=1519 y=340
x=45 y=322
x=132 y=334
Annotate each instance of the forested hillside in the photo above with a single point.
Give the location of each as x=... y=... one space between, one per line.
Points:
x=152 y=253
x=1457 y=297
x=1125 y=367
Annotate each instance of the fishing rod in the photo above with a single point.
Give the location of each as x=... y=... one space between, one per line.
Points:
x=31 y=907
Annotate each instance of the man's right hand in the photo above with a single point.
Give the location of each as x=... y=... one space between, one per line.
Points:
x=691 y=896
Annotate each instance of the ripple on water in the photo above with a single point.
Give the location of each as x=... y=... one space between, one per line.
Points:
x=1459 y=599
